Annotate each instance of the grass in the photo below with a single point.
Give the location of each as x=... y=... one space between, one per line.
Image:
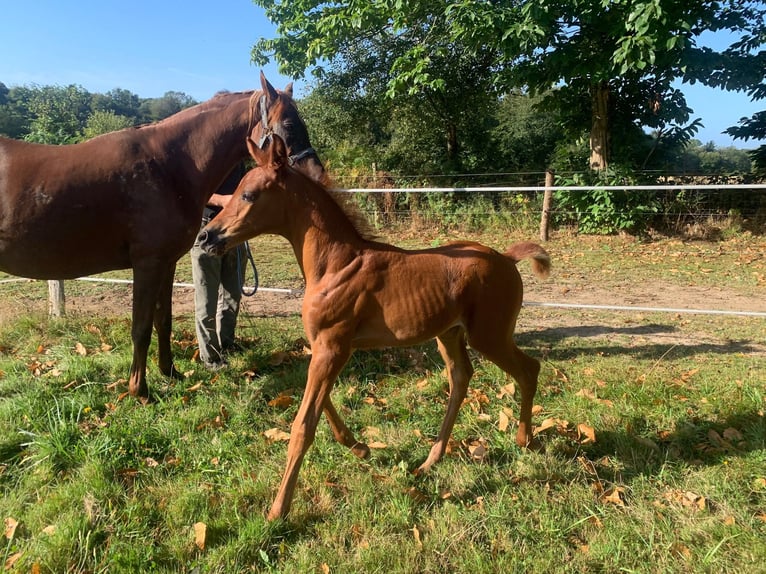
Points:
x=653 y=426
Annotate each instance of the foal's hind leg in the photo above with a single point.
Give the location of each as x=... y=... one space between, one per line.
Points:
x=524 y=369
x=341 y=432
x=453 y=350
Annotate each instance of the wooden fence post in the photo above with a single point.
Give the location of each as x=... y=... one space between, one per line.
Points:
x=547 y=200
x=56 y=299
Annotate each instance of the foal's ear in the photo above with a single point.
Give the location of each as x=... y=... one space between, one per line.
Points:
x=268 y=89
x=289 y=89
x=255 y=151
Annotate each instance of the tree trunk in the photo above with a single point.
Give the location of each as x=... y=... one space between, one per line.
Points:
x=599 y=132
x=452 y=145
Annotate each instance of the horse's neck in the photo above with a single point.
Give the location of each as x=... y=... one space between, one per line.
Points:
x=324 y=239
x=213 y=141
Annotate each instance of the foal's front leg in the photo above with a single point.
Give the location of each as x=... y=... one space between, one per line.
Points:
x=327 y=360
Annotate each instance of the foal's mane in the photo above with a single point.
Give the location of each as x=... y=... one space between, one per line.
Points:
x=349 y=208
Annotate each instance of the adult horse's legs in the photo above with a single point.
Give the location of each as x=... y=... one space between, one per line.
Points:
x=163 y=322
x=326 y=364
x=146 y=285
x=453 y=350
x=341 y=432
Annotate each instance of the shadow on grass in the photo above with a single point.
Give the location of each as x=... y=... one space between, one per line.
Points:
x=695 y=441
x=544 y=338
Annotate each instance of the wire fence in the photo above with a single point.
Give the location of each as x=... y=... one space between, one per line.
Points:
x=754 y=190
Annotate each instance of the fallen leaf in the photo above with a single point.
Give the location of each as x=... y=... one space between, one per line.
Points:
x=503 y=422
x=200 y=531
x=586 y=393
x=588 y=432
x=10 y=527
x=278 y=358
x=80 y=349
x=560 y=375
x=282 y=401
x=50 y=530
x=194 y=388
x=12 y=559
x=276 y=435
x=416 y=534
x=377 y=444
x=614 y=495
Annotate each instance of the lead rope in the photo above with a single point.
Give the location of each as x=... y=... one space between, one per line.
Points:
x=240 y=274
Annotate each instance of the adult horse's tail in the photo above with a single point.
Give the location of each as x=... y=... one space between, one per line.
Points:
x=541 y=261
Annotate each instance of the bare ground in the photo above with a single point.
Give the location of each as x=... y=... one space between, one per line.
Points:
x=640 y=326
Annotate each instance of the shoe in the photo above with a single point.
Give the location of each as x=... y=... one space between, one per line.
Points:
x=214 y=366
x=234 y=347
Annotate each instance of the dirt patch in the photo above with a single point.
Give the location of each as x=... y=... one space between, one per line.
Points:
x=632 y=327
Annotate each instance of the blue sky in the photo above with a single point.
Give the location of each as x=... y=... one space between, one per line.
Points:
x=196 y=47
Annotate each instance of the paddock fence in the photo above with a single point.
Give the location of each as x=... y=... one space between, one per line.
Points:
x=56 y=302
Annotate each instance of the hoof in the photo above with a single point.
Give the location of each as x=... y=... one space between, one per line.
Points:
x=533 y=445
x=361 y=450
x=173 y=373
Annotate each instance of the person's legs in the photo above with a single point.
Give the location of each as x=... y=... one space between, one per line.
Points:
x=206 y=274
x=230 y=294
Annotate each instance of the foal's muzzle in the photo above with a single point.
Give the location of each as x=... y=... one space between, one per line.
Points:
x=211 y=242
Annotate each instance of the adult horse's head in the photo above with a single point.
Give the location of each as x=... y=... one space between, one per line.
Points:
x=277 y=113
x=260 y=204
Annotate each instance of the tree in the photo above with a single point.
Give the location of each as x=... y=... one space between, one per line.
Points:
x=121 y=102
x=615 y=60
x=746 y=70
x=449 y=106
x=58 y=113
x=155 y=109
x=101 y=122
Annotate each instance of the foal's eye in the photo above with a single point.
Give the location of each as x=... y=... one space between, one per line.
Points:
x=250 y=196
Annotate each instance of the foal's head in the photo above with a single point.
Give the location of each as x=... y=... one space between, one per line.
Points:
x=262 y=202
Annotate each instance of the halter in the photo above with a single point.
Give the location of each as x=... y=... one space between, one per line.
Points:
x=267 y=131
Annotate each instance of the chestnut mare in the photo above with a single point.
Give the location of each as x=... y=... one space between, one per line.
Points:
x=134 y=199
x=365 y=294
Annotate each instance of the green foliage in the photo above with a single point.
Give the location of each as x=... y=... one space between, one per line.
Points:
x=101 y=122
x=603 y=211
x=63 y=115
x=633 y=53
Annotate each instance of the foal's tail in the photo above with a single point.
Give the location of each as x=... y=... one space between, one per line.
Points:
x=541 y=261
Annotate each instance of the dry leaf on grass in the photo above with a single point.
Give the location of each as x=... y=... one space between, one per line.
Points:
x=10 y=527
x=200 y=532
x=276 y=435
x=283 y=400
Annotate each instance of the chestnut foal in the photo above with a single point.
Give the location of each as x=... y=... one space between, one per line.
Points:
x=363 y=294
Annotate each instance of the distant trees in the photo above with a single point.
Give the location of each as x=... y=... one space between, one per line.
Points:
x=67 y=114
